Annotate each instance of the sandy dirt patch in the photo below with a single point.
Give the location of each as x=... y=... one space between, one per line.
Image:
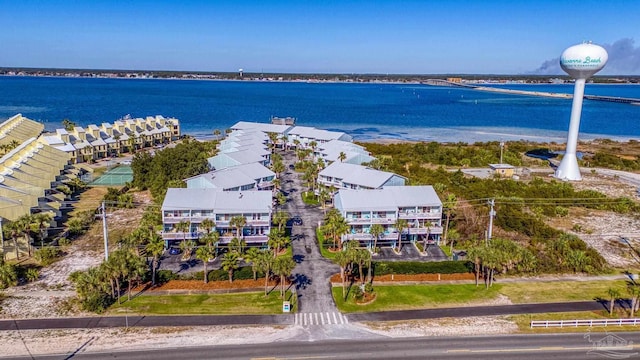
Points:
x=66 y=342
x=444 y=327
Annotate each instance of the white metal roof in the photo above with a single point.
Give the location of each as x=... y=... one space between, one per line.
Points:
x=264 y=127
x=357 y=174
x=388 y=198
x=226 y=202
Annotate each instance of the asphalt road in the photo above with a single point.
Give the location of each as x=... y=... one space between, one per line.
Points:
x=549 y=346
x=312 y=272
x=208 y=320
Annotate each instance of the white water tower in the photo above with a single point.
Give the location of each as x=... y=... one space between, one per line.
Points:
x=580 y=62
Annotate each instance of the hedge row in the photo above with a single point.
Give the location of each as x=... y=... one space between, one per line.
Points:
x=414 y=267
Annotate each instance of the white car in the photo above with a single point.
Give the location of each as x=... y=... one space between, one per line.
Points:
x=125 y=162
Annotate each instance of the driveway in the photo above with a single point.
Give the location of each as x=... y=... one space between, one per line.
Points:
x=312 y=272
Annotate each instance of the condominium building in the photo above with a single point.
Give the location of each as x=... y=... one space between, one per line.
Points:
x=126 y=135
x=418 y=205
x=191 y=206
x=340 y=175
x=306 y=135
x=245 y=177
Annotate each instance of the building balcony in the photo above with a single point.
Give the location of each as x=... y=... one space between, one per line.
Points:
x=366 y=236
x=261 y=222
x=421 y=215
x=436 y=230
x=355 y=221
x=181 y=235
x=247 y=238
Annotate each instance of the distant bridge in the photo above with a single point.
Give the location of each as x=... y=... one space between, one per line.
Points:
x=440 y=82
x=613 y=99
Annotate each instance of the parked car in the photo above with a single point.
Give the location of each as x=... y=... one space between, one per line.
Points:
x=296 y=220
x=174 y=251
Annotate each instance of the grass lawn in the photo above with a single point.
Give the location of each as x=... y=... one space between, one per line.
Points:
x=524 y=321
x=203 y=304
x=419 y=297
x=309 y=198
x=446 y=249
x=323 y=250
x=556 y=291
x=403 y=297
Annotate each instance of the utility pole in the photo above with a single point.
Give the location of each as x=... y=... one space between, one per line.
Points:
x=4 y=253
x=492 y=213
x=105 y=232
x=501 y=147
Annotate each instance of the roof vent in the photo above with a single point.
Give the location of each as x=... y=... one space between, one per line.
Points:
x=240 y=197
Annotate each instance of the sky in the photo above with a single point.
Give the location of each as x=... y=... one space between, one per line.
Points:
x=383 y=37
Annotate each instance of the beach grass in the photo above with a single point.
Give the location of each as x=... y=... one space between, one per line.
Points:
x=557 y=291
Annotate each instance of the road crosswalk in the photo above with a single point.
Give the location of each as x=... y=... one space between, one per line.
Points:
x=320 y=318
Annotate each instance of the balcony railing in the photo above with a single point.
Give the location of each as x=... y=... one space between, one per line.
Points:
x=371 y=220
x=181 y=235
x=247 y=238
x=420 y=215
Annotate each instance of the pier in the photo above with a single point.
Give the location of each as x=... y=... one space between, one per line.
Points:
x=440 y=82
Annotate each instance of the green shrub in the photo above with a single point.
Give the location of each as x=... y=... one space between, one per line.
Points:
x=97 y=302
x=243 y=273
x=47 y=255
x=64 y=241
x=411 y=267
x=164 y=276
x=32 y=274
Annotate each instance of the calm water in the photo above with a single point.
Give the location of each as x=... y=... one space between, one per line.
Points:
x=367 y=111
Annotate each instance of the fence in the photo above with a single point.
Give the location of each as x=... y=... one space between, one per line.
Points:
x=590 y=323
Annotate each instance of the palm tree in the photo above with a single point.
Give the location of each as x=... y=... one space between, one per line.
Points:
x=427 y=224
x=204 y=254
x=273 y=137
x=24 y=224
x=238 y=222
x=207 y=225
x=343 y=260
x=41 y=223
x=296 y=142
x=14 y=233
x=68 y=124
x=613 y=295
x=237 y=245
x=277 y=167
x=323 y=196
x=217 y=133
x=449 y=207
x=285 y=142
x=376 y=230
x=277 y=240
x=335 y=226
x=230 y=262
x=400 y=225
x=280 y=218
x=187 y=247
x=155 y=248
x=283 y=266
x=342 y=156
x=634 y=291
x=8 y=275
x=183 y=227
x=211 y=240
x=253 y=255
x=265 y=264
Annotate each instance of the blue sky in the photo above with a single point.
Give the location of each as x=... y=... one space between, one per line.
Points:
x=426 y=37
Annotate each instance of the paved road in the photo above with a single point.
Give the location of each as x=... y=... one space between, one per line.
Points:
x=320 y=317
x=312 y=272
x=550 y=346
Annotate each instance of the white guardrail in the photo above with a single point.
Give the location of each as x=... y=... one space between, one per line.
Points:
x=590 y=323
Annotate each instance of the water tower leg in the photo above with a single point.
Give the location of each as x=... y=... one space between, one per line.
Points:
x=568 y=168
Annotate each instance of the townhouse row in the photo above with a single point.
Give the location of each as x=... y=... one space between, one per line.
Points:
x=112 y=139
